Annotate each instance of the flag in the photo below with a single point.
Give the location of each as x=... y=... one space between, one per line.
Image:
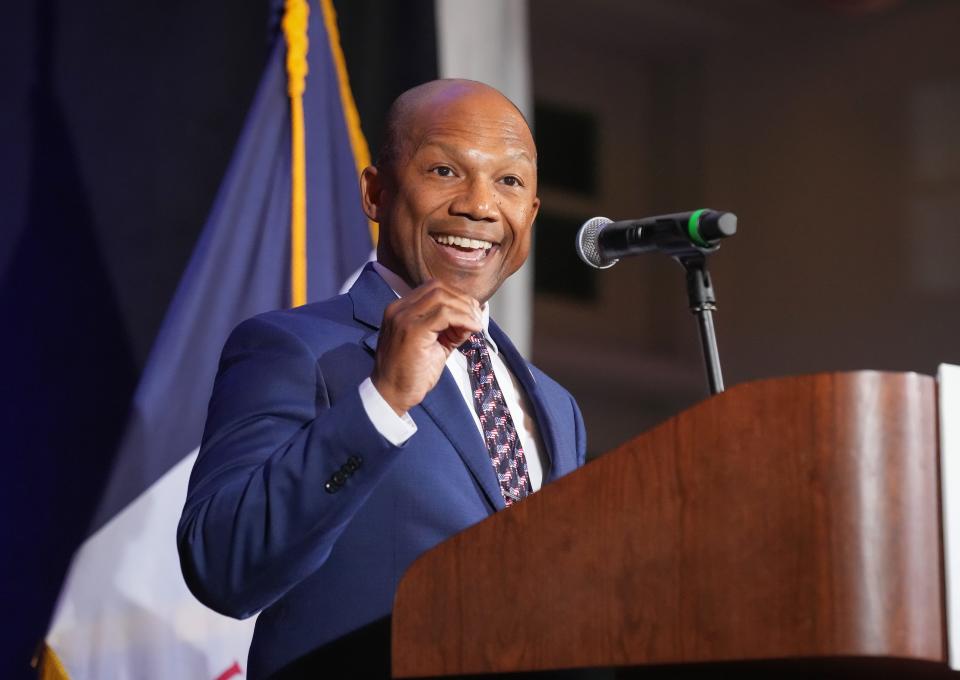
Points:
x=286 y=226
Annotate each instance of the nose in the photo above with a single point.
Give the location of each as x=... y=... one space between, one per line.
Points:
x=477 y=201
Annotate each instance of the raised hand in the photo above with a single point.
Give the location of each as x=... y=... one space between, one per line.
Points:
x=417 y=335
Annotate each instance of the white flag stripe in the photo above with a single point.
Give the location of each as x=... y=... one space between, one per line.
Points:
x=125 y=604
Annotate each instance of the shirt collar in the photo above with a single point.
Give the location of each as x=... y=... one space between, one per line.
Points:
x=401 y=288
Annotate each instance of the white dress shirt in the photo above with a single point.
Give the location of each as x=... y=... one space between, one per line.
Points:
x=398 y=429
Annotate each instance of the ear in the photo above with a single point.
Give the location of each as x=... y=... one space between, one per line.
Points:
x=371 y=192
x=536 y=208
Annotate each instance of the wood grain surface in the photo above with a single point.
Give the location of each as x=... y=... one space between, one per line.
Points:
x=783 y=519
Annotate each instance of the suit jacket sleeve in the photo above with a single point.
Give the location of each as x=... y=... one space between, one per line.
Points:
x=257 y=519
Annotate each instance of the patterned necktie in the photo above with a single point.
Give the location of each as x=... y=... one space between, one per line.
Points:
x=499 y=432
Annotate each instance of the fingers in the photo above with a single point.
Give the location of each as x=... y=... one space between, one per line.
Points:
x=418 y=333
x=436 y=308
x=452 y=337
x=434 y=291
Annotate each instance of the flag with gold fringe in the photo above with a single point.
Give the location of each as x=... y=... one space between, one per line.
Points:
x=286 y=228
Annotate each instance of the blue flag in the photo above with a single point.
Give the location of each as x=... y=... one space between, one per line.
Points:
x=124 y=610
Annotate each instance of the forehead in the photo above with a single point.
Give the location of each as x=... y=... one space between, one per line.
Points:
x=483 y=121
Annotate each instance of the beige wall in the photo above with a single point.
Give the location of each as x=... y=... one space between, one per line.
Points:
x=837 y=143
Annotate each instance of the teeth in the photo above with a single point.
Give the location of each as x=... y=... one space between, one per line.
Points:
x=447 y=240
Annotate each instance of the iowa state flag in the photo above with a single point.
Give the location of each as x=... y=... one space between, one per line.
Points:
x=124 y=610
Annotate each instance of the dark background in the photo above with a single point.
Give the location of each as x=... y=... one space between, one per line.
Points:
x=830 y=127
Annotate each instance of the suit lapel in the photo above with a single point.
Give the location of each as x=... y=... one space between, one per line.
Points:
x=544 y=416
x=443 y=404
x=370 y=295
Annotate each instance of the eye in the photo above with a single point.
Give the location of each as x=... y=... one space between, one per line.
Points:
x=512 y=181
x=442 y=171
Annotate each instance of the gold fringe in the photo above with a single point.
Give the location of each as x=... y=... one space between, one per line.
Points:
x=48 y=665
x=361 y=152
x=295 y=17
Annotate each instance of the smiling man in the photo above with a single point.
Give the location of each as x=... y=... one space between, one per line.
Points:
x=346 y=437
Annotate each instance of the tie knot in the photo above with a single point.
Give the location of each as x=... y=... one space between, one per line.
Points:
x=473 y=344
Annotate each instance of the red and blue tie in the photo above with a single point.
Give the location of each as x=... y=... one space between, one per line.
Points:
x=499 y=432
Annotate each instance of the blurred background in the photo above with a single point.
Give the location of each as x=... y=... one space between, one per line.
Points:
x=831 y=128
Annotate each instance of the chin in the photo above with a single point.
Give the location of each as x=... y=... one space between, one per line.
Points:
x=481 y=289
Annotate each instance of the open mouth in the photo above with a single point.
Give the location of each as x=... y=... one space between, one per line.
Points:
x=463 y=248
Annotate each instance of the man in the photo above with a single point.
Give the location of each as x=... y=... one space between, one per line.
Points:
x=344 y=438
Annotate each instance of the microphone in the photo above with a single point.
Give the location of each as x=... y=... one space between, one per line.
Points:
x=602 y=242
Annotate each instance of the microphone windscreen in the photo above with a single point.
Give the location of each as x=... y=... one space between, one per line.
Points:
x=588 y=243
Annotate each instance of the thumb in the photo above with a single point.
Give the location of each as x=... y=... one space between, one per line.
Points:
x=452 y=337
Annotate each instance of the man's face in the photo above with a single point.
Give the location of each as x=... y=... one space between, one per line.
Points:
x=459 y=201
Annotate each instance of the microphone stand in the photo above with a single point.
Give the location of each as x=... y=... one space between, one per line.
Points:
x=703 y=303
x=686 y=237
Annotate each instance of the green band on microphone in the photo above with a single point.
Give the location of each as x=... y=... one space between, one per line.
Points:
x=693 y=228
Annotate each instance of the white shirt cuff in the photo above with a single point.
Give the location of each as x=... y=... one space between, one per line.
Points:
x=395 y=429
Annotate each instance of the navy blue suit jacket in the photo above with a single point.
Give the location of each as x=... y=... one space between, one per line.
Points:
x=260 y=534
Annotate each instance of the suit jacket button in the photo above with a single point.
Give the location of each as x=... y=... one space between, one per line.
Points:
x=348 y=468
x=338 y=478
x=357 y=461
x=330 y=487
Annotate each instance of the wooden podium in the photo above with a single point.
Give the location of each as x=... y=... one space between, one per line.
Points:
x=787 y=519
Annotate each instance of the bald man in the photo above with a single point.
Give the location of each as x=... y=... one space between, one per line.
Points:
x=346 y=437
